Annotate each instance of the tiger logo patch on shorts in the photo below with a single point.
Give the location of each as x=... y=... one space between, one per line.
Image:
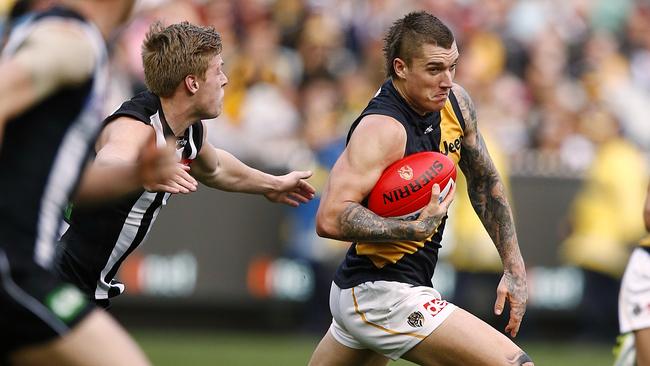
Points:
x=416 y=319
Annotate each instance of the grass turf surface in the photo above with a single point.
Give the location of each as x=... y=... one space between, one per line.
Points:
x=187 y=348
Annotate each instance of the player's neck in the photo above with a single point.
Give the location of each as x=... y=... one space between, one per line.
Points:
x=179 y=115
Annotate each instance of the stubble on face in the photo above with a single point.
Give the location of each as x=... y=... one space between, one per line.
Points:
x=434 y=70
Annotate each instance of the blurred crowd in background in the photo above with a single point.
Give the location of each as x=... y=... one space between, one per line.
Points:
x=562 y=89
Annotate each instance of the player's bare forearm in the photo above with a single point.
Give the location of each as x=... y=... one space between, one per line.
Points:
x=357 y=223
x=101 y=183
x=221 y=170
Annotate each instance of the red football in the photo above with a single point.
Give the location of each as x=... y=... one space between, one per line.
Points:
x=404 y=188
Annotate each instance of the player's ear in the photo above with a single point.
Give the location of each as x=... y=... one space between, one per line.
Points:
x=192 y=84
x=400 y=67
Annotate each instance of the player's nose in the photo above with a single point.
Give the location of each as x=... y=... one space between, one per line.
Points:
x=447 y=79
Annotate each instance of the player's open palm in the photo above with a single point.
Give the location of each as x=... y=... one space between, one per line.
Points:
x=292 y=189
x=513 y=288
x=160 y=170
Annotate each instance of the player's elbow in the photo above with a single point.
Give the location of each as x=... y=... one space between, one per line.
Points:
x=326 y=227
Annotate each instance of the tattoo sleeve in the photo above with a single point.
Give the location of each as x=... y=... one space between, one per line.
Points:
x=360 y=224
x=485 y=189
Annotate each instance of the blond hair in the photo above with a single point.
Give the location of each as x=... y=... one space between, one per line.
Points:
x=171 y=53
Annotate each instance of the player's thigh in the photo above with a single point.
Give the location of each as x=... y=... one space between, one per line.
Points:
x=463 y=339
x=642 y=344
x=96 y=341
x=329 y=352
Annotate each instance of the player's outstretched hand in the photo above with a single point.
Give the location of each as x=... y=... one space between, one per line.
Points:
x=513 y=288
x=160 y=170
x=292 y=189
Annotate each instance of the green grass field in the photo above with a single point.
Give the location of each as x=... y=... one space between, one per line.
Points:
x=185 y=348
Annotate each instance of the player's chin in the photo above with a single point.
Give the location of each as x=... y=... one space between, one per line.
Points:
x=215 y=112
x=435 y=104
x=439 y=101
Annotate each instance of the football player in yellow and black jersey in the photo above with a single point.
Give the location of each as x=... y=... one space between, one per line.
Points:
x=382 y=299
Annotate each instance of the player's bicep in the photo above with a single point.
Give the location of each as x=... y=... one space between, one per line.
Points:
x=121 y=141
x=350 y=181
x=376 y=143
x=60 y=53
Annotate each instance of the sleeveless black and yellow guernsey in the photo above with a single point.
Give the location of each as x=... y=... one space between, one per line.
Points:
x=410 y=262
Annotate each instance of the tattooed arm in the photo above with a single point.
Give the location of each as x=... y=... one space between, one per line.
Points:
x=489 y=200
x=376 y=143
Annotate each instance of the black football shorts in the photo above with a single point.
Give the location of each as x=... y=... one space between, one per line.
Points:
x=35 y=306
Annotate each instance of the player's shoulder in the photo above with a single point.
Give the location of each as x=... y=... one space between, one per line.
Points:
x=146 y=101
x=380 y=126
x=139 y=108
x=63 y=32
x=466 y=106
x=54 y=51
x=380 y=134
x=460 y=94
x=57 y=26
x=386 y=108
x=124 y=128
x=125 y=125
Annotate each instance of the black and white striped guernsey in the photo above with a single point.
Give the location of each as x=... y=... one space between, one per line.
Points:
x=100 y=238
x=45 y=148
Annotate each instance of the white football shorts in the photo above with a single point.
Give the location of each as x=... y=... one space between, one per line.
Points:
x=387 y=317
x=634 y=297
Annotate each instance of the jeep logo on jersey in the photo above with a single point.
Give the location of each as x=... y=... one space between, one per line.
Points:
x=66 y=302
x=414 y=186
x=406 y=172
x=452 y=147
x=416 y=319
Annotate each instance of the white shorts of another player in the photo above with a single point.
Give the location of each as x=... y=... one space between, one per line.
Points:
x=387 y=317
x=634 y=297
